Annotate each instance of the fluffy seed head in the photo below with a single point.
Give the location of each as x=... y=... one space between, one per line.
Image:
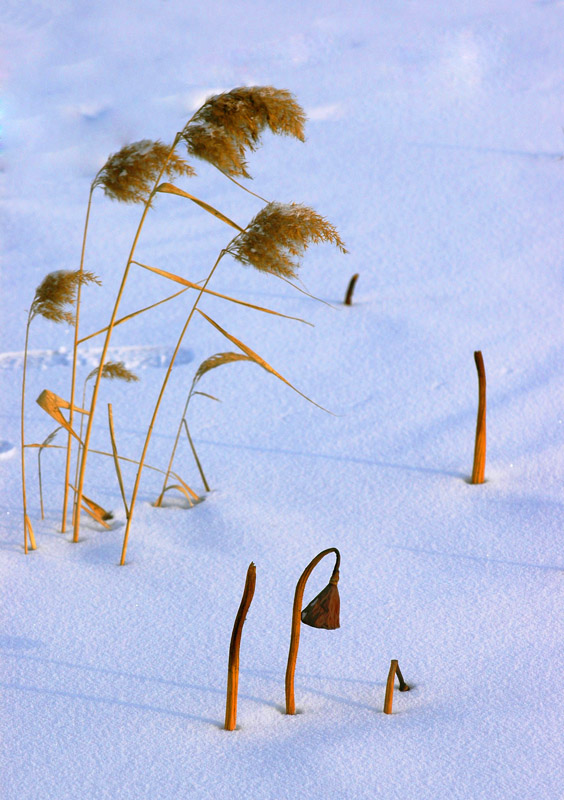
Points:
x=114 y=370
x=278 y=236
x=232 y=122
x=58 y=290
x=129 y=174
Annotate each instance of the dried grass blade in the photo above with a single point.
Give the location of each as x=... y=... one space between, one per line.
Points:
x=184 y=282
x=196 y=459
x=116 y=459
x=169 y=188
x=211 y=397
x=264 y=364
x=159 y=500
x=130 y=316
x=96 y=512
x=52 y=404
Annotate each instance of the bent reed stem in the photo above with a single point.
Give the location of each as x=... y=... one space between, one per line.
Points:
x=74 y=363
x=88 y=433
x=26 y=520
x=156 y=410
x=296 y=621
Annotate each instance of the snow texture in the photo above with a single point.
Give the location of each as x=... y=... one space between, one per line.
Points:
x=434 y=145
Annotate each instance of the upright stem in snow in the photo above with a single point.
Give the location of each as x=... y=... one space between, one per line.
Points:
x=74 y=363
x=480 y=444
x=87 y=435
x=156 y=410
x=26 y=521
x=296 y=620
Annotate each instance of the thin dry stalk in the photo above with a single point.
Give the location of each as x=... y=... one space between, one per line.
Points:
x=28 y=529
x=74 y=365
x=479 y=464
x=350 y=289
x=147 y=203
x=233 y=665
x=44 y=444
x=296 y=621
x=116 y=458
x=157 y=406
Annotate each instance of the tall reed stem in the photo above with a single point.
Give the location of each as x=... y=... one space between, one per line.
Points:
x=87 y=435
x=74 y=363
x=28 y=530
x=233 y=666
x=156 y=410
x=480 y=444
x=296 y=621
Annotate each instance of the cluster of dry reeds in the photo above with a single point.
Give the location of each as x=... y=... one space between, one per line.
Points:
x=222 y=132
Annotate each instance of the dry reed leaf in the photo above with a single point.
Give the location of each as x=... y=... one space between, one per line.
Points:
x=159 y=500
x=168 y=188
x=216 y=361
x=255 y=357
x=133 y=314
x=52 y=404
x=177 y=279
x=278 y=236
x=230 y=123
x=129 y=174
x=114 y=370
x=57 y=290
x=96 y=511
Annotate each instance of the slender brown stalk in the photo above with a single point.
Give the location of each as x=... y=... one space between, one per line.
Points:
x=116 y=457
x=480 y=445
x=88 y=433
x=350 y=289
x=74 y=363
x=233 y=666
x=156 y=410
x=196 y=459
x=28 y=530
x=296 y=620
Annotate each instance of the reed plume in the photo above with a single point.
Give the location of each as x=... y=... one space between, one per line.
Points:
x=130 y=174
x=278 y=236
x=56 y=292
x=230 y=123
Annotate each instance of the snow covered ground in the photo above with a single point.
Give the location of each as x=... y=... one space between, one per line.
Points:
x=433 y=144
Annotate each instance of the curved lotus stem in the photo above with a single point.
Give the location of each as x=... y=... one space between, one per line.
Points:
x=297 y=617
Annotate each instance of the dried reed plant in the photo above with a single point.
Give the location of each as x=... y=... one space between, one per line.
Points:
x=126 y=176
x=229 y=124
x=53 y=300
x=221 y=132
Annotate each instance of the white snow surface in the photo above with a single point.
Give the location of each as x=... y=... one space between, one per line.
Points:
x=434 y=144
